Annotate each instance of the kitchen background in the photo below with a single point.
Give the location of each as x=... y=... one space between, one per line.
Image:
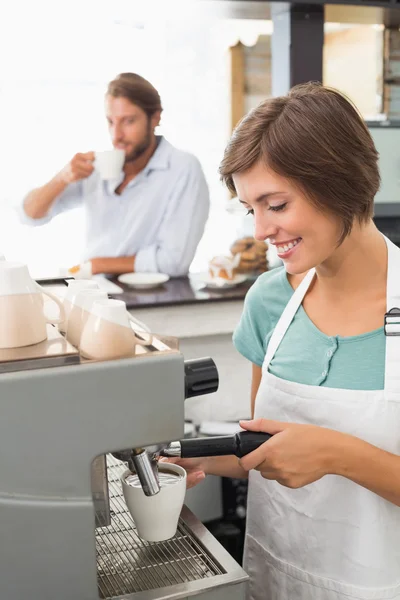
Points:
x=211 y=62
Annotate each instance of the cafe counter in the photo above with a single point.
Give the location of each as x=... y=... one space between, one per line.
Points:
x=203 y=320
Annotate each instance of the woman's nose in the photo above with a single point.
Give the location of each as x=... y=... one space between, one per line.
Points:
x=264 y=229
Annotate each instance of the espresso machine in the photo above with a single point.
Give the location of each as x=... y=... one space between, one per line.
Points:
x=65 y=531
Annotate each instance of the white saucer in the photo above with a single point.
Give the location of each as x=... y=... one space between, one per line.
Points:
x=143 y=281
x=218 y=283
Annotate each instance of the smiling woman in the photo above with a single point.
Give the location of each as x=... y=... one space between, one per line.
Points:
x=325 y=376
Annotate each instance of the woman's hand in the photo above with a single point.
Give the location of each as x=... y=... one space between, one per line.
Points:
x=296 y=455
x=194 y=468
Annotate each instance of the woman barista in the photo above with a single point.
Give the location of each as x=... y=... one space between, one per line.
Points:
x=324 y=492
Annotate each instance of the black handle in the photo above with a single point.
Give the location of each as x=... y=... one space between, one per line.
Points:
x=201 y=377
x=207 y=446
x=239 y=444
x=247 y=441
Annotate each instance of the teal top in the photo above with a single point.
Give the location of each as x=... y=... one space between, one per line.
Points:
x=306 y=355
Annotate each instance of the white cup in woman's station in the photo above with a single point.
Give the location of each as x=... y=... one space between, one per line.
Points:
x=108 y=332
x=109 y=163
x=22 y=318
x=74 y=287
x=80 y=312
x=156 y=517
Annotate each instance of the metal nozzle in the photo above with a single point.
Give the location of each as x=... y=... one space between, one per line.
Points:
x=144 y=465
x=173 y=449
x=147 y=471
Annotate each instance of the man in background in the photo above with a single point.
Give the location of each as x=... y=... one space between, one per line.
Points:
x=152 y=217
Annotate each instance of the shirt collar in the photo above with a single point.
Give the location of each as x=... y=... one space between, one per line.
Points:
x=160 y=159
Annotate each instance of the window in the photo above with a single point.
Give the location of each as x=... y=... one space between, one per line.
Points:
x=51 y=91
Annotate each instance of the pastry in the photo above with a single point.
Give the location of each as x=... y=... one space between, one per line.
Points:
x=253 y=255
x=223 y=266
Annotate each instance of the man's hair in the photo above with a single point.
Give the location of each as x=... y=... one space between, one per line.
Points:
x=315 y=138
x=137 y=90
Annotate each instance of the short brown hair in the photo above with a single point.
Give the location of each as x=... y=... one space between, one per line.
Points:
x=314 y=137
x=137 y=90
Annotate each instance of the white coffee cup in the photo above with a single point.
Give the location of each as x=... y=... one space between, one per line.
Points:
x=156 y=517
x=74 y=287
x=79 y=313
x=108 y=333
x=109 y=163
x=22 y=318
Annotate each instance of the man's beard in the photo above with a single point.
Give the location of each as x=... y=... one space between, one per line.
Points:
x=142 y=147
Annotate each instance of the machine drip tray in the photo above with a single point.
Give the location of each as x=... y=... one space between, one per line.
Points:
x=127 y=565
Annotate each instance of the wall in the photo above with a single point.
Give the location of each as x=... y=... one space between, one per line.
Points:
x=257 y=61
x=361 y=77
x=392 y=73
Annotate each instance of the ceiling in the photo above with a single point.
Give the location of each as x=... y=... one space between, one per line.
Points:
x=336 y=13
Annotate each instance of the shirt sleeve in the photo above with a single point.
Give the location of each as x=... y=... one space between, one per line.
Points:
x=182 y=228
x=250 y=335
x=70 y=198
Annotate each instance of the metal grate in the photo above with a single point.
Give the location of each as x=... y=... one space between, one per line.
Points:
x=127 y=564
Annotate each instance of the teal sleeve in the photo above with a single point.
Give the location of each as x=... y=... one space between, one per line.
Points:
x=250 y=334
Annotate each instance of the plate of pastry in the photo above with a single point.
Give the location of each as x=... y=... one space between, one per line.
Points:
x=220 y=283
x=143 y=281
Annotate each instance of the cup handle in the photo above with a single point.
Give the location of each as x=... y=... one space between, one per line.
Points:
x=60 y=306
x=140 y=323
x=141 y=342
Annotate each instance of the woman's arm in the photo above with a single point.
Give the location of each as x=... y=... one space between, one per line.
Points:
x=255 y=384
x=369 y=466
x=297 y=455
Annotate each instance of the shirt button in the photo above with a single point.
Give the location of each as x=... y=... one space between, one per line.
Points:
x=329 y=353
x=324 y=373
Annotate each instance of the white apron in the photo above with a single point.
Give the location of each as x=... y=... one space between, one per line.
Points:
x=332 y=539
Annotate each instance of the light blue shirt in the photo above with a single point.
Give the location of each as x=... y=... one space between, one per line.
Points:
x=159 y=217
x=306 y=355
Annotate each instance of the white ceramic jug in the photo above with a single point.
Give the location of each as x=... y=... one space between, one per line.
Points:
x=22 y=318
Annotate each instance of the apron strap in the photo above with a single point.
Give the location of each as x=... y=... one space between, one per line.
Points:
x=392 y=362
x=287 y=317
x=392 y=331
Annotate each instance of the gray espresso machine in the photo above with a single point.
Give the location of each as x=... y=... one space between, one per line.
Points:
x=65 y=531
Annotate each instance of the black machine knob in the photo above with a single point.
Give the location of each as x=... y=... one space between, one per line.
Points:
x=201 y=377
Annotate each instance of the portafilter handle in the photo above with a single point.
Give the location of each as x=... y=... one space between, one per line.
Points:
x=201 y=377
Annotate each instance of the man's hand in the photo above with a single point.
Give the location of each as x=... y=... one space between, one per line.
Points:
x=80 y=167
x=296 y=455
x=82 y=271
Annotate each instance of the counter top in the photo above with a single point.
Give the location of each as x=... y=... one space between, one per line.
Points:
x=179 y=291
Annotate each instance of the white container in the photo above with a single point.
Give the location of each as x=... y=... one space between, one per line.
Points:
x=74 y=287
x=156 y=517
x=109 y=163
x=108 y=333
x=22 y=318
x=80 y=312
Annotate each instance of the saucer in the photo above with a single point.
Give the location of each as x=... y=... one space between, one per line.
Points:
x=143 y=281
x=218 y=283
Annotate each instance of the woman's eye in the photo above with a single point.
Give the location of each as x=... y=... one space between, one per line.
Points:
x=277 y=208
x=250 y=212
